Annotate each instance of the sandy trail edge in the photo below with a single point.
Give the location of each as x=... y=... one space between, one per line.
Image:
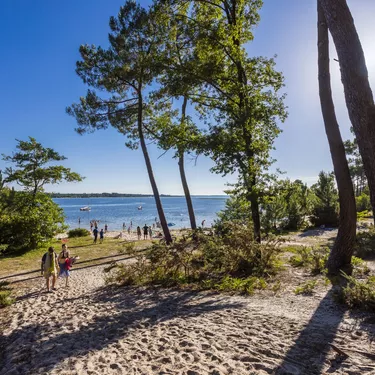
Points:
x=93 y=329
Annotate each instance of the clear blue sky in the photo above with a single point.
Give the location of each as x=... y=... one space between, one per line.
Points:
x=39 y=47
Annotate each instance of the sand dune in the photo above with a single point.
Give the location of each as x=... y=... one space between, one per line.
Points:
x=94 y=329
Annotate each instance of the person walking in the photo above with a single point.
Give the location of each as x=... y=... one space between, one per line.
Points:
x=63 y=264
x=145 y=232
x=101 y=235
x=95 y=232
x=139 y=233
x=49 y=268
x=106 y=228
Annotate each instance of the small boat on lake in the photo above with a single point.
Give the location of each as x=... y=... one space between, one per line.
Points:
x=140 y=208
x=171 y=224
x=86 y=208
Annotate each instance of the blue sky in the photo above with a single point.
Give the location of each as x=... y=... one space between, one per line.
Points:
x=39 y=47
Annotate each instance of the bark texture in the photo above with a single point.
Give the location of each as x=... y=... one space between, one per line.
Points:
x=181 y=166
x=354 y=76
x=342 y=251
x=159 y=206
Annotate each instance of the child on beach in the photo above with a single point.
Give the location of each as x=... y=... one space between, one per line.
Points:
x=63 y=264
x=49 y=268
x=139 y=233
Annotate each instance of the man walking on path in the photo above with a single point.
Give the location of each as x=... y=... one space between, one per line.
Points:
x=95 y=232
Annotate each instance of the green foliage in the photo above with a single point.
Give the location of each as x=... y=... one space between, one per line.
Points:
x=31 y=172
x=325 y=211
x=127 y=248
x=231 y=261
x=358 y=294
x=237 y=209
x=28 y=221
x=287 y=205
x=5 y=294
x=360 y=267
x=365 y=243
x=78 y=232
x=314 y=259
x=307 y=288
x=363 y=202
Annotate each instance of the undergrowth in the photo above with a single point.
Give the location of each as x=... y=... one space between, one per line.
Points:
x=358 y=294
x=313 y=258
x=5 y=294
x=306 y=288
x=228 y=261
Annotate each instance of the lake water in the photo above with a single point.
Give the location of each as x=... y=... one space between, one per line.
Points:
x=115 y=211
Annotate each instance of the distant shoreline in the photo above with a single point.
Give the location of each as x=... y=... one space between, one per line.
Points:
x=122 y=195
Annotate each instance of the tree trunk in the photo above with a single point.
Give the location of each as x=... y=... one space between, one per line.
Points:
x=181 y=167
x=342 y=251
x=354 y=76
x=256 y=217
x=159 y=206
x=189 y=202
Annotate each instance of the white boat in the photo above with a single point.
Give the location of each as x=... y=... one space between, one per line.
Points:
x=140 y=208
x=86 y=208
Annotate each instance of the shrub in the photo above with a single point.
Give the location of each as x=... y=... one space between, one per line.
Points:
x=231 y=261
x=127 y=247
x=365 y=244
x=5 y=294
x=78 y=232
x=313 y=258
x=306 y=288
x=363 y=202
x=359 y=294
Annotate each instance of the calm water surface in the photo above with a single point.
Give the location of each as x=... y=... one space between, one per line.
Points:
x=116 y=211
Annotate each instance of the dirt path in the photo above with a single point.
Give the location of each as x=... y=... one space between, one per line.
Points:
x=94 y=329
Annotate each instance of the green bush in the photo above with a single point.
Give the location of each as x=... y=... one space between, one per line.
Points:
x=359 y=294
x=365 y=243
x=231 y=261
x=5 y=294
x=27 y=222
x=306 y=288
x=363 y=202
x=314 y=259
x=78 y=232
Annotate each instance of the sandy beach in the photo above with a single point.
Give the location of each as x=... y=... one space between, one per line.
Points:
x=92 y=328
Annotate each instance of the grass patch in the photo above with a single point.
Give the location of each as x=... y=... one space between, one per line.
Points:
x=78 y=232
x=81 y=246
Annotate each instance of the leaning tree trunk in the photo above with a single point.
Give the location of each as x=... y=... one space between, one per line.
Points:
x=159 y=206
x=181 y=167
x=354 y=76
x=342 y=251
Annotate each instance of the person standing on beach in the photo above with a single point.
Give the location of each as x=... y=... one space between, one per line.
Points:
x=129 y=230
x=91 y=225
x=101 y=235
x=150 y=232
x=49 y=268
x=62 y=258
x=145 y=232
x=106 y=228
x=139 y=233
x=203 y=221
x=123 y=226
x=79 y=222
x=95 y=232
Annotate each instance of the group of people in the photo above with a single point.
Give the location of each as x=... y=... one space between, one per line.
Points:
x=53 y=266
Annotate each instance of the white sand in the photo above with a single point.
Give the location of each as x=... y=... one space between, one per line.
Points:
x=93 y=329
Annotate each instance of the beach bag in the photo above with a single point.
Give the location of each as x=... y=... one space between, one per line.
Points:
x=68 y=263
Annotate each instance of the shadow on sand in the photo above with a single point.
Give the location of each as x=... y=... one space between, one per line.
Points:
x=130 y=309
